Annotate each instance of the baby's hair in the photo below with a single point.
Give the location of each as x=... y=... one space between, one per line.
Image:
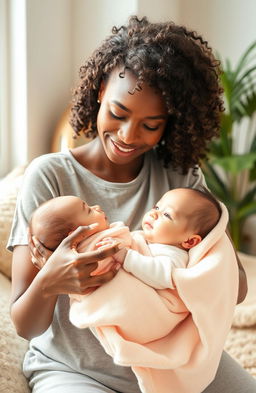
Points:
x=207 y=215
x=57 y=227
x=174 y=61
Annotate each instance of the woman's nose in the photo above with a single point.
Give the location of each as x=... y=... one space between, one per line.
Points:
x=128 y=133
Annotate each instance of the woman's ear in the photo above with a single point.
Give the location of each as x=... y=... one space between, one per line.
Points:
x=192 y=241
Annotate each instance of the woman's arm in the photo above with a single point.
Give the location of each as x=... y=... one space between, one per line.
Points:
x=243 y=288
x=35 y=292
x=31 y=311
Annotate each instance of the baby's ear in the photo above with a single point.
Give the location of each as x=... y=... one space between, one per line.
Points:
x=192 y=241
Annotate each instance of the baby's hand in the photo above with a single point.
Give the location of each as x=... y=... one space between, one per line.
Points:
x=120 y=255
x=107 y=241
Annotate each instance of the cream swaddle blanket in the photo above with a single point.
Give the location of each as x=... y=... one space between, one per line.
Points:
x=172 y=339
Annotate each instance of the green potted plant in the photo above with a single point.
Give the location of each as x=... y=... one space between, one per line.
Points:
x=230 y=170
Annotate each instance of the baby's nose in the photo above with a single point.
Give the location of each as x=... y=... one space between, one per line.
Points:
x=154 y=214
x=97 y=207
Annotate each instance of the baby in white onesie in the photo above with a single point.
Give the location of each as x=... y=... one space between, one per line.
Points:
x=178 y=222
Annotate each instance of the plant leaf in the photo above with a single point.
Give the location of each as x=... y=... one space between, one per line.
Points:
x=247 y=210
x=249 y=104
x=244 y=59
x=248 y=198
x=235 y=163
x=214 y=182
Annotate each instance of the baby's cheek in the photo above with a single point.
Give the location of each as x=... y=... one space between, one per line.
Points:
x=144 y=219
x=103 y=224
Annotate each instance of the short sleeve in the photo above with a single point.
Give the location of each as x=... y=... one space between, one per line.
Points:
x=39 y=184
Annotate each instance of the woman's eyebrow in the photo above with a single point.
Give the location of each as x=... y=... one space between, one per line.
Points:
x=121 y=105
x=157 y=117
x=129 y=111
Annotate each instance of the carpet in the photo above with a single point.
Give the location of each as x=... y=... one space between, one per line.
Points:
x=241 y=341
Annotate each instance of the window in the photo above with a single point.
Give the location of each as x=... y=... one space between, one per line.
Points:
x=4 y=96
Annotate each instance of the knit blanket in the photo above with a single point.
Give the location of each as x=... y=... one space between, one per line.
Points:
x=172 y=339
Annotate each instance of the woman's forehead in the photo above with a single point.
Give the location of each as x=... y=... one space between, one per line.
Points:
x=123 y=88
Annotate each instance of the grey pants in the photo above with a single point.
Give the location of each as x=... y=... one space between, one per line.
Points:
x=230 y=378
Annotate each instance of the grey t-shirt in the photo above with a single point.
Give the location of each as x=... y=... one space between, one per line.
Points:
x=58 y=174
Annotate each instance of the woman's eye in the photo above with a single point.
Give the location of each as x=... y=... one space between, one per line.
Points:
x=151 y=128
x=168 y=215
x=116 y=117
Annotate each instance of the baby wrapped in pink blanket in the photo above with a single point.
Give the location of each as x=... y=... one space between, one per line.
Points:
x=172 y=338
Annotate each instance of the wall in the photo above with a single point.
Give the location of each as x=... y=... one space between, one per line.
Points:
x=158 y=11
x=92 y=21
x=228 y=25
x=49 y=70
x=40 y=73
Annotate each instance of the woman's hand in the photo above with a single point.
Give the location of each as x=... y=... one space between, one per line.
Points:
x=68 y=272
x=39 y=253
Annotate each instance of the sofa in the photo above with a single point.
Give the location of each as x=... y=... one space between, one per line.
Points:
x=12 y=347
x=241 y=342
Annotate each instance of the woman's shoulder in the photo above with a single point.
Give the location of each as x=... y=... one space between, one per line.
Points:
x=50 y=159
x=45 y=172
x=176 y=178
x=51 y=164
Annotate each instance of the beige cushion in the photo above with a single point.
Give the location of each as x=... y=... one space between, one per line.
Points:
x=9 y=187
x=12 y=347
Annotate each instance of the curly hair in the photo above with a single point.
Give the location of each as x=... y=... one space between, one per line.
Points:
x=176 y=62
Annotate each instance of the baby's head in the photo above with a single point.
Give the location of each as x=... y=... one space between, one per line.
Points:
x=52 y=221
x=182 y=218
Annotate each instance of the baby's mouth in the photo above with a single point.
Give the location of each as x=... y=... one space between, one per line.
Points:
x=148 y=224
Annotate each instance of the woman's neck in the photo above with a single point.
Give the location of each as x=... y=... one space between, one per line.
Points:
x=93 y=157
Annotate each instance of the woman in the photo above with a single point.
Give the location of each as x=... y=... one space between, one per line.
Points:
x=150 y=96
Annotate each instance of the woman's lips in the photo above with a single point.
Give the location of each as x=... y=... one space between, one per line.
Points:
x=123 y=150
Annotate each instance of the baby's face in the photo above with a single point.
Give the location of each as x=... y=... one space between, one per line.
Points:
x=72 y=209
x=168 y=221
x=83 y=214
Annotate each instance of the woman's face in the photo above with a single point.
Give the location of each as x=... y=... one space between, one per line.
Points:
x=129 y=124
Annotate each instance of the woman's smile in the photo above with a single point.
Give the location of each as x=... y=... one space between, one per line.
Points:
x=121 y=148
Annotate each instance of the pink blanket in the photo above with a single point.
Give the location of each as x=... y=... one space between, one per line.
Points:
x=172 y=339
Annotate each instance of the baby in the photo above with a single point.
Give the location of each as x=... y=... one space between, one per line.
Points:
x=178 y=222
x=52 y=221
x=56 y=218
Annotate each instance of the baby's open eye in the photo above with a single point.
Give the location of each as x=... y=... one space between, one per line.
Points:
x=155 y=207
